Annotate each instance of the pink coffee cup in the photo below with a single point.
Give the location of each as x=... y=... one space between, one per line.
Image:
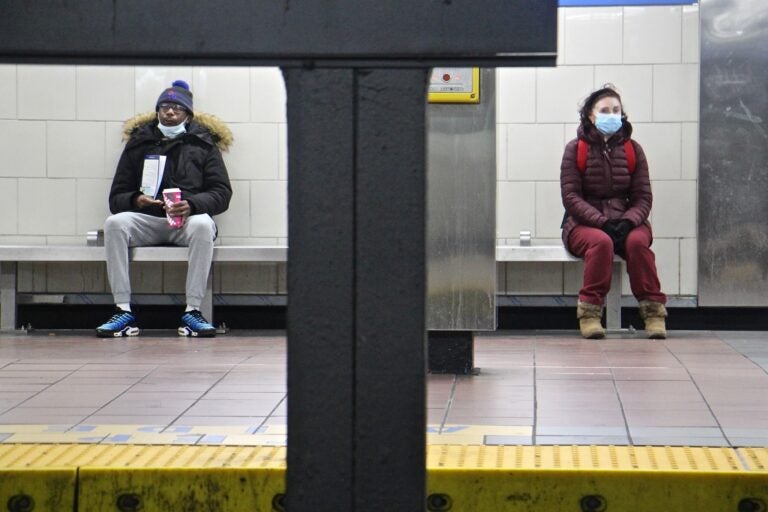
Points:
x=170 y=196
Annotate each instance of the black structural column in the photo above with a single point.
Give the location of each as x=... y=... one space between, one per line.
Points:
x=356 y=274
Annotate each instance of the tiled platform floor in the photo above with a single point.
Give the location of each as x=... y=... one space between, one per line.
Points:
x=697 y=388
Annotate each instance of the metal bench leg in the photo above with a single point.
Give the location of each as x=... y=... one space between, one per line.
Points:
x=206 y=307
x=7 y=296
x=613 y=300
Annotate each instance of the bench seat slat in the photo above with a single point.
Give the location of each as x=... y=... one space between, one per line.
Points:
x=242 y=253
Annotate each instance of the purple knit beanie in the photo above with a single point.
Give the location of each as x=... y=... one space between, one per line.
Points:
x=179 y=93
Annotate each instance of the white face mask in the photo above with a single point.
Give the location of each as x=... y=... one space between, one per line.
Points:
x=172 y=131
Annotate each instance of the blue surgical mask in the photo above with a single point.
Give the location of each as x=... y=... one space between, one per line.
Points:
x=172 y=131
x=608 y=124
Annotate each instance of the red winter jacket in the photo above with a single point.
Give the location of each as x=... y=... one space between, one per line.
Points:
x=606 y=189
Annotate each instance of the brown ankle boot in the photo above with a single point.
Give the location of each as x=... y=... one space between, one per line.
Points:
x=589 y=316
x=654 y=315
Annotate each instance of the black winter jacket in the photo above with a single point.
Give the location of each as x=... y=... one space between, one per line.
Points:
x=193 y=164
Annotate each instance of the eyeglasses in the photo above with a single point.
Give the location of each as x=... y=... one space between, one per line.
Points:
x=172 y=106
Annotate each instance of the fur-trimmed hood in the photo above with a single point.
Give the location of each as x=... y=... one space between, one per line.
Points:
x=220 y=133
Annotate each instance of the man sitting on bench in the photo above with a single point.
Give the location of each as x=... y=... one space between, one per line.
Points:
x=170 y=180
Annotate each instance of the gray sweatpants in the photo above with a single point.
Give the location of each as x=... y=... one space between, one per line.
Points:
x=130 y=229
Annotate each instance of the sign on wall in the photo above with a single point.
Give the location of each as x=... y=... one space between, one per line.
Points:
x=454 y=85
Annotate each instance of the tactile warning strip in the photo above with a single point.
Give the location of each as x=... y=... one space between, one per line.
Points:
x=94 y=478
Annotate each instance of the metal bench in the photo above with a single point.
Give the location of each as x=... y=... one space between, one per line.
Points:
x=558 y=253
x=11 y=255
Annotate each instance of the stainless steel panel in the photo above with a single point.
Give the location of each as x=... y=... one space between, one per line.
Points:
x=461 y=213
x=733 y=174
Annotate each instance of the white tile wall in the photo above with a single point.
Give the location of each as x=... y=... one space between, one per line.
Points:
x=534 y=151
x=22 y=145
x=661 y=143
x=501 y=152
x=113 y=146
x=23 y=240
x=690 y=151
x=9 y=207
x=92 y=204
x=152 y=80
x=105 y=93
x=549 y=210
x=515 y=211
x=676 y=92
x=76 y=150
x=635 y=85
x=236 y=221
x=561 y=36
x=47 y=206
x=516 y=95
x=688 y=266
x=7 y=91
x=282 y=153
x=255 y=153
x=593 y=35
x=667 y=253
x=61 y=129
x=691 y=33
x=674 y=209
x=652 y=34
x=557 y=103
x=268 y=94
x=269 y=212
x=224 y=92
x=46 y=92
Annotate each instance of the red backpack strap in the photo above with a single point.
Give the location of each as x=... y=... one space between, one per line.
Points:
x=581 y=155
x=629 y=151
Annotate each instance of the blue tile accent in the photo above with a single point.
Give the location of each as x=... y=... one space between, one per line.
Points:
x=118 y=438
x=212 y=439
x=153 y=429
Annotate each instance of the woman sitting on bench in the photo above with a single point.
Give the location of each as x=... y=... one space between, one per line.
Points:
x=607 y=196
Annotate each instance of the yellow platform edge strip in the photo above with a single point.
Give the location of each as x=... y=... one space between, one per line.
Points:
x=95 y=478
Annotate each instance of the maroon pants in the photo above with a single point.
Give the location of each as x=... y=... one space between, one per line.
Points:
x=596 y=247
